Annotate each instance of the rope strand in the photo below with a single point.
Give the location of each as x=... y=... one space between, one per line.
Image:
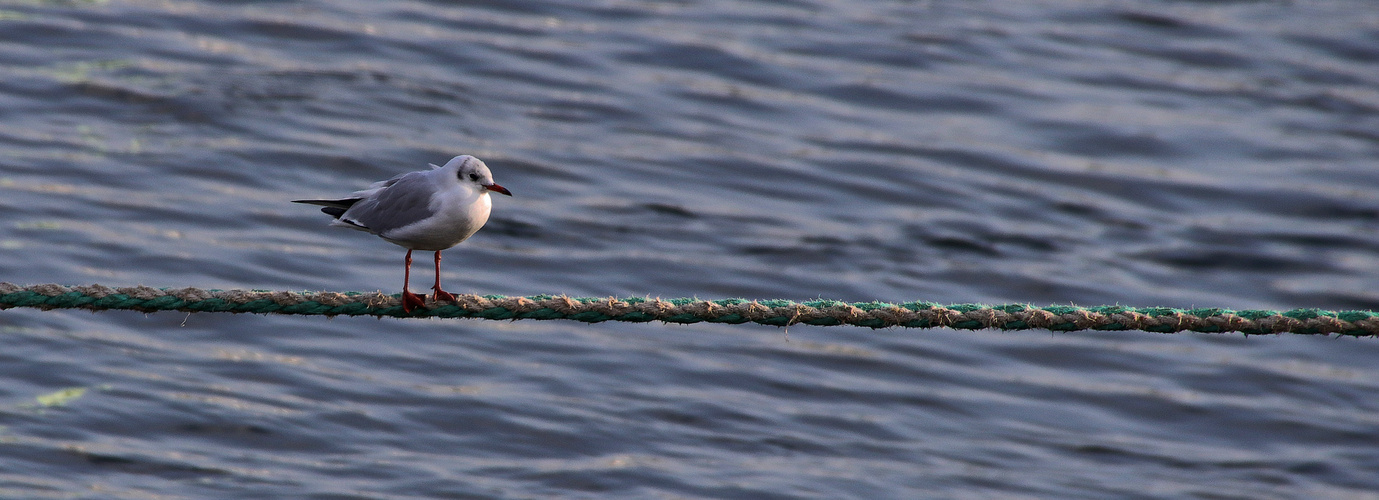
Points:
x=734 y=311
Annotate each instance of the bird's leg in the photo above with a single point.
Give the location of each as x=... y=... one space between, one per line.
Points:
x=409 y=300
x=441 y=294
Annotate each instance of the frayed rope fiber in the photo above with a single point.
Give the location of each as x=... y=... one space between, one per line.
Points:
x=766 y=312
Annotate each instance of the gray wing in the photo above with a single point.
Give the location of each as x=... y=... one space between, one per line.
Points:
x=404 y=200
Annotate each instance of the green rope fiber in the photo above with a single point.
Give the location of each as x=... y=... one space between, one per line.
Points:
x=733 y=311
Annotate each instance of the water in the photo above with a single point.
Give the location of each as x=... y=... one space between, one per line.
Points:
x=1183 y=154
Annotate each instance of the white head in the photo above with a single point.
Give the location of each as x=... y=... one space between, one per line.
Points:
x=470 y=170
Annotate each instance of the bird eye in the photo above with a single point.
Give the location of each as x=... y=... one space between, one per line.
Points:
x=473 y=177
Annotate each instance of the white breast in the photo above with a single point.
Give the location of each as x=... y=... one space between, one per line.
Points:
x=459 y=212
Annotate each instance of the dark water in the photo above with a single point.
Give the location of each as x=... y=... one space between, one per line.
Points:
x=1221 y=154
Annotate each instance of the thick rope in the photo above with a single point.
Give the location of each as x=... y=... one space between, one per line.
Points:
x=766 y=312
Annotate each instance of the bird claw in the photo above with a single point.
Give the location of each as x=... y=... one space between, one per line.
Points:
x=411 y=300
x=444 y=295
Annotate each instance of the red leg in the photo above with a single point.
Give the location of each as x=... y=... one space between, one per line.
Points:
x=409 y=300
x=441 y=294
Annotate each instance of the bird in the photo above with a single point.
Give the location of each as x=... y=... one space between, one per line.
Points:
x=428 y=210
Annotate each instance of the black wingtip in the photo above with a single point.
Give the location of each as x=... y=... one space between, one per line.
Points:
x=341 y=203
x=335 y=212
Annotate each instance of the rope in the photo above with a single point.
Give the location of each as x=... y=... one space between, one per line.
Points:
x=734 y=311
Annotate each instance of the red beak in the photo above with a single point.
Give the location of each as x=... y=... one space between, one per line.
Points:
x=500 y=189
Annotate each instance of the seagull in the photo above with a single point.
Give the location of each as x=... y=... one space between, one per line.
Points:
x=427 y=210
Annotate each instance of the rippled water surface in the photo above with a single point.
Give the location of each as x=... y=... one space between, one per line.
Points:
x=1177 y=153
